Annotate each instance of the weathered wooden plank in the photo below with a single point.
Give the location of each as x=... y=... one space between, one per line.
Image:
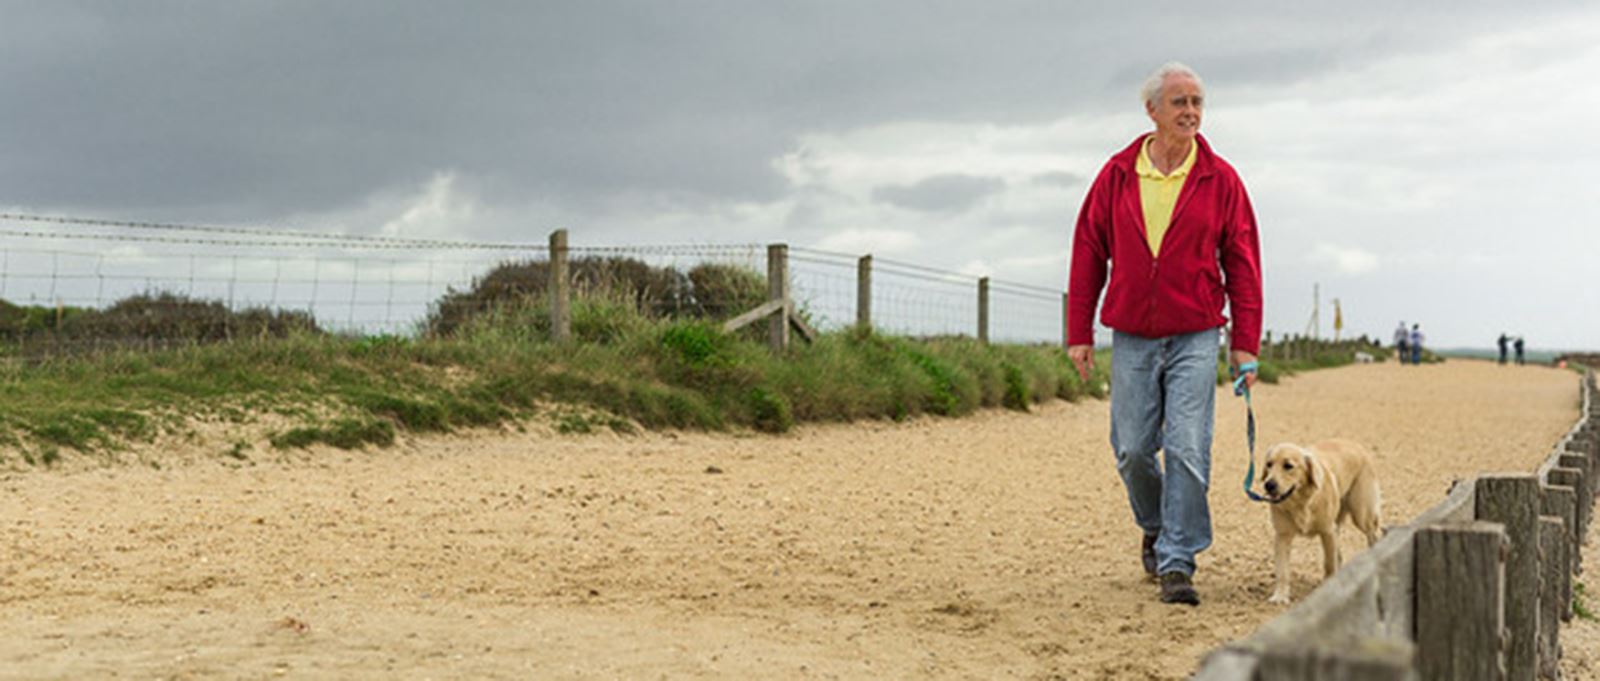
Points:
x=983 y=310
x=1227 y=664
x=1553 y=575
x=1066 y=317
x=800 y=325
x=760 y=312
x=1459 y=506
x=1584 y=487
x=1559 y=501
x=1562 y=476
x=778 y=291
x=560 y=288
x=1461 y=602
x=1366 y=659
x=1513 y=500
x=864 y=292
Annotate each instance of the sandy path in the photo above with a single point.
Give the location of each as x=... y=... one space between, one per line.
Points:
x=1580 y=638
x=994 y=546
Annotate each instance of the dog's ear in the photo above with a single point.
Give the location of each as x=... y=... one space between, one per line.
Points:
x=1313 y=471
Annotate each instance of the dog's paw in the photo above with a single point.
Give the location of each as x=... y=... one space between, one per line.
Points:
x=1279 y=597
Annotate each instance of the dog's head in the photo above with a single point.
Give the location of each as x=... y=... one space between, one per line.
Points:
x=1289 y=468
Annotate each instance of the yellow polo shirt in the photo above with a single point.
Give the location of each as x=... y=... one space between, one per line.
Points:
x=1158 y=194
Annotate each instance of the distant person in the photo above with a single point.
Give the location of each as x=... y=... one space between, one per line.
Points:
x=1402 y=341
x=1164 y=349
x=1519 y=352
x=1416 y=343
x=1504 y=341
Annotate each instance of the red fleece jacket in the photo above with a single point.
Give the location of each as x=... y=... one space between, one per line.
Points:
x=1212 y=234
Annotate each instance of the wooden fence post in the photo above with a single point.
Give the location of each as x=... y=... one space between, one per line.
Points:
x=1561 y=501
x=1512 y=499
x=1553 y=582
x=1066 y=317
x=560 y=288
x=1584 y=487
x=1460 y=582
x=778 y=291
x=864 y=292
x=983 y=310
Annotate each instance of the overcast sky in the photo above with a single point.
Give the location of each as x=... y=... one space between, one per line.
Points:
x=1420 y=161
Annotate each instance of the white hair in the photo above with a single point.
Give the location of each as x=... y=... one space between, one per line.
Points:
x=1153 y=84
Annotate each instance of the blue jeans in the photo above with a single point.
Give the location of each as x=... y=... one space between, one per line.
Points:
x=1163 y=397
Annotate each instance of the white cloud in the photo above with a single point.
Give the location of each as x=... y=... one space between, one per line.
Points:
x=874 y=241
x=1349 y=261
x=977 y=268
x=440 y=209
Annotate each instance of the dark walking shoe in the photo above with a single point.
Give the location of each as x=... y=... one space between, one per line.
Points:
x=1176 y=588
x=1149 y=555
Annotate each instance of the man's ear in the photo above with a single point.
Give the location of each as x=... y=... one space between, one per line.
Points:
x=1313 y=471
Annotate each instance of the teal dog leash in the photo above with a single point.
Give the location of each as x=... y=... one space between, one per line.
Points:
x=1241 y=388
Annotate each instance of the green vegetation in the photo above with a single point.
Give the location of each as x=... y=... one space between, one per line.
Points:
x=1292 y=356
x=647 y=350
x=147 y=317
x=624 y=367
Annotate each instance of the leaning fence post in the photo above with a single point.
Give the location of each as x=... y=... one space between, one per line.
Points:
x=864 y=292
x=560 y=288
x=983 y=310
x=1512 y=499
x=778 y=291
x=1460 y=586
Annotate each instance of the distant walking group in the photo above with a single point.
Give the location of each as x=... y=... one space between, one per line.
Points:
x=1515 y=342
x=1408 y=344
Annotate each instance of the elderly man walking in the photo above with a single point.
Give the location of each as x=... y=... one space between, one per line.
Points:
x=1172 y=223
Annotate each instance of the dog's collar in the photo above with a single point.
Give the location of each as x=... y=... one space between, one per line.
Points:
x=1285 y=496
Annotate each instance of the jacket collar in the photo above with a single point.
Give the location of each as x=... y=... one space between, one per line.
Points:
x=1204 y=160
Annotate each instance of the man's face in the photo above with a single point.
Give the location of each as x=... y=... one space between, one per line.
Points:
x=1176 y=111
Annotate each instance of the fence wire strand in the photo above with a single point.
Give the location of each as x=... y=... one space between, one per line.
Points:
x=343 y=283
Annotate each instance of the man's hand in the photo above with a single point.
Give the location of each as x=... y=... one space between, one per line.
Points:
x=1082 y=356
x=1240 y=358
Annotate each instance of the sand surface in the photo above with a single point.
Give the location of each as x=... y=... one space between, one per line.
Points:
x=1580 y=638
x=995 y=546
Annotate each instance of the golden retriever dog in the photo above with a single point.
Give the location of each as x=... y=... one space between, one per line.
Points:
x=1312 y=490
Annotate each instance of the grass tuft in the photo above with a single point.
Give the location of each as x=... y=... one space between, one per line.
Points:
x=1017 y=395
x=344 y=433
x=770 y=412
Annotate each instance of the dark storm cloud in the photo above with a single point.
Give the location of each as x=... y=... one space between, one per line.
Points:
x=217 y=111
x=940 y=193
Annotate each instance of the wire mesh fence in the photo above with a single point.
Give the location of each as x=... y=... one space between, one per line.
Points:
x=53 y=269
x=343 y=292
x=348 y=283
x=914 y=300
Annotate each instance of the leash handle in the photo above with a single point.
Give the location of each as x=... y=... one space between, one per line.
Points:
x=1239 y=373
